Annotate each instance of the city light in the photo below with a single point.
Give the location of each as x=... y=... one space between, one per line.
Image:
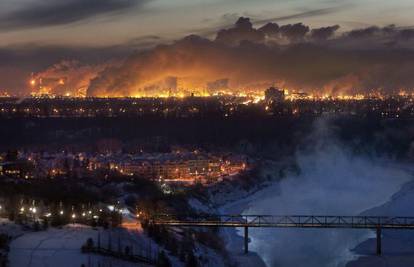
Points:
x=180 y=133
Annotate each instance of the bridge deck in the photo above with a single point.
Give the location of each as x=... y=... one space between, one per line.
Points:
x=293 y=221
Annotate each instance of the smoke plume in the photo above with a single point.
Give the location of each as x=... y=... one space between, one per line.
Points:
x=66 y=78
x=249 y=58
x=292 y=56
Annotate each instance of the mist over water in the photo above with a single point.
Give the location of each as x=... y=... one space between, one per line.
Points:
x=332 y=181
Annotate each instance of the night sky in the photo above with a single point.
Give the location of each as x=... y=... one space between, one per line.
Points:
x=109 y=22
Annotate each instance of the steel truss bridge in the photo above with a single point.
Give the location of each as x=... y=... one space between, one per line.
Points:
x=376 y=223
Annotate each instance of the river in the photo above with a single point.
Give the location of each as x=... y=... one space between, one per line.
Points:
x=332 y=182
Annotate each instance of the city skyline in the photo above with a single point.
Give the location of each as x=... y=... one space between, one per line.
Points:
x=194 y=133
x=86 y=44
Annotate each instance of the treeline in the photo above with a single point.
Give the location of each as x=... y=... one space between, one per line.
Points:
x=263 y=136
x=182 y=244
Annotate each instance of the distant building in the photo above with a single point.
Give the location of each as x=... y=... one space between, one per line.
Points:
x=18 y=169
x=186 y=167
x=274 y=95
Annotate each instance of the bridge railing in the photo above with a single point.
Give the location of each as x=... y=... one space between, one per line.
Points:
x=302 y=221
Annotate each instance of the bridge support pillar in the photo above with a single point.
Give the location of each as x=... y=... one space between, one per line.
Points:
x=379 y=249
x=246 y=240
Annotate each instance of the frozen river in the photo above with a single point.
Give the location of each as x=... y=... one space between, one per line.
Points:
x=332 y=182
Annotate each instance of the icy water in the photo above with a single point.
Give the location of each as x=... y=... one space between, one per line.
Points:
x=331 y=183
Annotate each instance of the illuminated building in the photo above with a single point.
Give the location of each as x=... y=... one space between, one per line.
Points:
x=173 y=167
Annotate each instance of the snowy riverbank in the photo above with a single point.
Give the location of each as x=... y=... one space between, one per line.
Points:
x=397 y=245
x=235 y=241
x=62 y=247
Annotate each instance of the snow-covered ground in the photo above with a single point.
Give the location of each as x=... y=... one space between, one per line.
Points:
x=230 y=192
x=235 y=242
x=62 y=247
x=397 y=245
x=10 y=228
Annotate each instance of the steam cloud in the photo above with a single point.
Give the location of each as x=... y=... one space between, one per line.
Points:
x=332 y=181
x=69 y=77
x=292 y=56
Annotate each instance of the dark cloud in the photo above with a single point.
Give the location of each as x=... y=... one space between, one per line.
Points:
x=297 y=32
x=294 y=32
x=59 y=12
x=227 y=19
x=324 y=33
x=407 y=34
x=270 y=29
x=364 y=33
x=374 y=37
x=242 y=31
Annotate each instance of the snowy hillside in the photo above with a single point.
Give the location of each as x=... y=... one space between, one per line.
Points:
x=397 y=245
